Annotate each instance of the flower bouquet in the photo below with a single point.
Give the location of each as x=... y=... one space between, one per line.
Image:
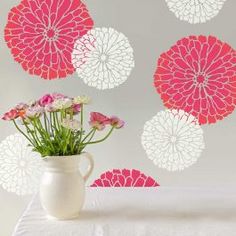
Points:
x=54 y=126
x=51 y=127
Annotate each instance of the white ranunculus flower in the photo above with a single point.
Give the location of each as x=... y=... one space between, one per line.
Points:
x=82 y=100
x=73 y=125
x=62 y=103
x=34 y=111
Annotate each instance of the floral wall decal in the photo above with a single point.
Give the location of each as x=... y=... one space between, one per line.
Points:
x=41 y=35
x=195 y=11
x=173 y=140
x=124 y=178
x=20 y=167
x=103 y=58
x=198 y=75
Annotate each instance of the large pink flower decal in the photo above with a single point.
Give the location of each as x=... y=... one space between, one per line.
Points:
x=198 y=75
x=41 y=35
x=124 y=178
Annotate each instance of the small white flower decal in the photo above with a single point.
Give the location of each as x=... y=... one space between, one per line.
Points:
x=195 y=11
x=103 y=58
x=173 y=139
x=20 y=167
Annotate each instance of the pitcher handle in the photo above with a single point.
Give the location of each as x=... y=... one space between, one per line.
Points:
x=90 y=167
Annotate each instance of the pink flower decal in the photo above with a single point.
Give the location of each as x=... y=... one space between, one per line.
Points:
x=41 y=35
x=124 y=178
x=198 y=75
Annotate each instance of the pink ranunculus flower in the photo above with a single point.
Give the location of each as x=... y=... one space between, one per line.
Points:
x=11 y=115
x=34 y=112
x=21 y=106
x=124 y=178
x=76 y=108
x=45 y=100
x=116 y=122
x=98 y=120
x=58 y=96
x=49 y=108
x=41 y=35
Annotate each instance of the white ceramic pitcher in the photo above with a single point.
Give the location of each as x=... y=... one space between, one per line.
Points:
x=62 y=188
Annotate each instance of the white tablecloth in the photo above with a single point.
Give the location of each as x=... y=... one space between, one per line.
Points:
x=140 y=212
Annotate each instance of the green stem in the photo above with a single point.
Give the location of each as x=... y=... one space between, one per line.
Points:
x=81 y=122
x=103 y=139
x=91 y=131
x=32 y=133
x=84 y=145
x=36 y=135
x=62 y=115
x=71 y=114
x=17 y=127
x=51 y=123
x=67 y=140
x=82 y=115
x=92 y=135
x=55 y=121
x=42 y=132
x=45 y=122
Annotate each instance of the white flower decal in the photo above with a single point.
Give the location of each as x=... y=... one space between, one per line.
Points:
x=173 y=139
x=195 y=11
x=20 y=167
x=103 y=58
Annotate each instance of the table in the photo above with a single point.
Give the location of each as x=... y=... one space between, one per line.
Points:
x=163 y=211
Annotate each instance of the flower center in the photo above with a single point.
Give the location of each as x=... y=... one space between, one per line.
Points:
x=173 y=139
x=50 y=34
x=103 y=57
x=22 y=164
x=200 y=79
